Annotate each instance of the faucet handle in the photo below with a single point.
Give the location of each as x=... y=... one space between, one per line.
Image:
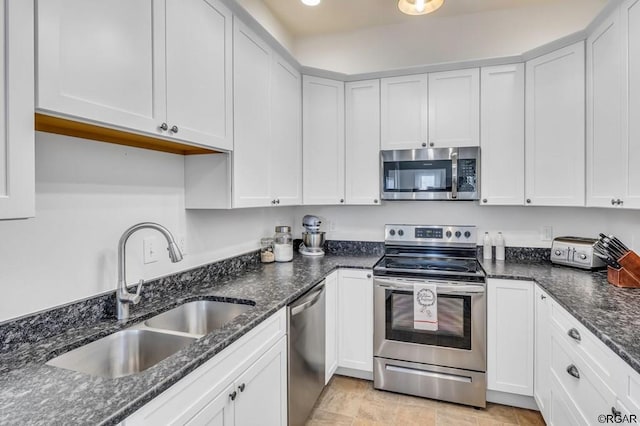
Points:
x=136 y=298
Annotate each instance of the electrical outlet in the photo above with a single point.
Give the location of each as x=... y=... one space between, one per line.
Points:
x=150 y=249
x=547 y=233
x=182 y=244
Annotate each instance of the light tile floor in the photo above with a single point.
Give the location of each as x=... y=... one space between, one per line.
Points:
x=348 y=401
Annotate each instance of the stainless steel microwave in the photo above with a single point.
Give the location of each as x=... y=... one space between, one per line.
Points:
x=430 y=174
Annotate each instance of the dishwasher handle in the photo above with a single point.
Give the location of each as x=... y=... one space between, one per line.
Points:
x=308 y=301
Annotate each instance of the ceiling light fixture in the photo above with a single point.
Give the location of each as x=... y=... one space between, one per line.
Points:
x=417 y=7
x=311 y=2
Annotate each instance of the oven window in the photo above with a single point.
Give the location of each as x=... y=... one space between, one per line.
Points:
x=417 y=176
x=454 y=321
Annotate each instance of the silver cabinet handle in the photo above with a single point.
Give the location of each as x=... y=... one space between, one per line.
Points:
x=616 y=413
x=174 y=129
x=613 y=202
x=273 y=202
x=241 y=387
x=573 y=371
x=620 y=202
x=277 y=200
x=542 y=296
x=574 y=334
x=164 y=127
x=233 y=395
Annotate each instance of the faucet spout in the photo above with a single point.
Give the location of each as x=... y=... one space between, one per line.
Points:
x=123 y=297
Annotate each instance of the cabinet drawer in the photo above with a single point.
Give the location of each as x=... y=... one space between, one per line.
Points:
x=628 y=387
x=591 y=394
x=190 y=395
x=589 y=347
x=562 y=409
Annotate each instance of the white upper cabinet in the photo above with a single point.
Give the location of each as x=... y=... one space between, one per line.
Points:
x=161 y=68
x=199 y=51
x=322 y=140
x=605 y=146
x=286 y=134
x=403 y=106
x=630 y=18
x=251 y=166
x=555 y=123
x=502 y=135
x=454 y=108
x=17 y=162
x=362 y=185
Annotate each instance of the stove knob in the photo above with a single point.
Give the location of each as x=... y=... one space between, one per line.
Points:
x=558 y=252
x=583 y=256
x=392 y=232
x=467 y=234
x=400 y=232
x=448 y=234
x=458 y=233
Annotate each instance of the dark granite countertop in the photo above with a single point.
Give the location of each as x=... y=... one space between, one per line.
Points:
x=34 y=393
x=609 y=312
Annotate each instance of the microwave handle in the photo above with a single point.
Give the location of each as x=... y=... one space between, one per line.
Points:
x=454 y=174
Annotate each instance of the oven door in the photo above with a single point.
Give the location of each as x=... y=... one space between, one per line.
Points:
x=460 y=340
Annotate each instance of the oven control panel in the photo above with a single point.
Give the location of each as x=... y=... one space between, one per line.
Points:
x=430 y=234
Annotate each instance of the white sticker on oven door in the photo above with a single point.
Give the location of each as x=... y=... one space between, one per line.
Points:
x=425 y=307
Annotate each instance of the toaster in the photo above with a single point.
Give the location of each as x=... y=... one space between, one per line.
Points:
x=576 y=252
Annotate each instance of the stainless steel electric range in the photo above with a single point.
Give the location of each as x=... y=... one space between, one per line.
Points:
x=446 y=361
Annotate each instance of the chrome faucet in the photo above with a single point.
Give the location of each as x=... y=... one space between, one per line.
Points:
x=123 y=297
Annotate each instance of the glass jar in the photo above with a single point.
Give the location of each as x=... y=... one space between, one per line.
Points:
x=266 y=250
x=283 y=244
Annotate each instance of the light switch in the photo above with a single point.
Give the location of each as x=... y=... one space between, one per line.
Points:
x=150 y=249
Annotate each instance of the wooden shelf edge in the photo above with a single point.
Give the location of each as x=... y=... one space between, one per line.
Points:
x=63 y=126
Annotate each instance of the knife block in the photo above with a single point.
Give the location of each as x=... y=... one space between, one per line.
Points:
x=629 y=275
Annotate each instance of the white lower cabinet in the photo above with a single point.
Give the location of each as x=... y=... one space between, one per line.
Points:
x=510 y=336
x=541 y=386
x=355 y=320
x=246 y=384
x=331 y=325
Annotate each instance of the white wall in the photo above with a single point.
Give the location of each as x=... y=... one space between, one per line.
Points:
x=447 y=38
x=521 y=226
x=87 y=194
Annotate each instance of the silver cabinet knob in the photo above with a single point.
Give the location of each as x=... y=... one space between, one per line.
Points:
x=528 y=200
x=424 y=144
x=342 y=200
x=574 y=334
x=375 y=201
x=432 y=144
x=233 y=395
x=277 y=200
x=572 y=370
x=174 y=129
x=241 y=387
x=619 y=202
x=542 y=297
x=484 y=200
x=613 y=202
x=273 y=202
x=164 y=127
x=368 y=275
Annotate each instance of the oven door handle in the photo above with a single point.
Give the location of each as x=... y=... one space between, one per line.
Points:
x=440 y=288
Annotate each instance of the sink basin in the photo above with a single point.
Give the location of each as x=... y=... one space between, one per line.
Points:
x=199 y=317
x=121 y=354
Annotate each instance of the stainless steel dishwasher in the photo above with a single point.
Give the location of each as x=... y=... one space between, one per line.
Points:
x=306 y=332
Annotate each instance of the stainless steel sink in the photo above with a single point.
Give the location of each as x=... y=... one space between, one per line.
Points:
x=123 y=353
x=198 y=318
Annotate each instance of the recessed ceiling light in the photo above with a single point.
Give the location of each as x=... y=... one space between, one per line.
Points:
x=311 y=2
x=418 y=7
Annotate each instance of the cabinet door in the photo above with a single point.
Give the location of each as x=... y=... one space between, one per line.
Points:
x=562 y=409
x=323 y=141
x=218 y=412
x=355 y=320
x=631 y=100
x=199 y=72
x=251 y=153
x=403 y=112
x=362 y=185
x=103 y=61
x=17 y=162
x=510 y=328
x=331 y=325
x=262 y=390
x=286 y=134
x=555 y=104
x=542 y=367
x=502 y=135
x=454 y=108
x=605 y=150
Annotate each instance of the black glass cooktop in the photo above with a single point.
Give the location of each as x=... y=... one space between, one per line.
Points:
x=428 y=266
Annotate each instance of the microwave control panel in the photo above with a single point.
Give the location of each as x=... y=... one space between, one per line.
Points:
x=467 y=175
